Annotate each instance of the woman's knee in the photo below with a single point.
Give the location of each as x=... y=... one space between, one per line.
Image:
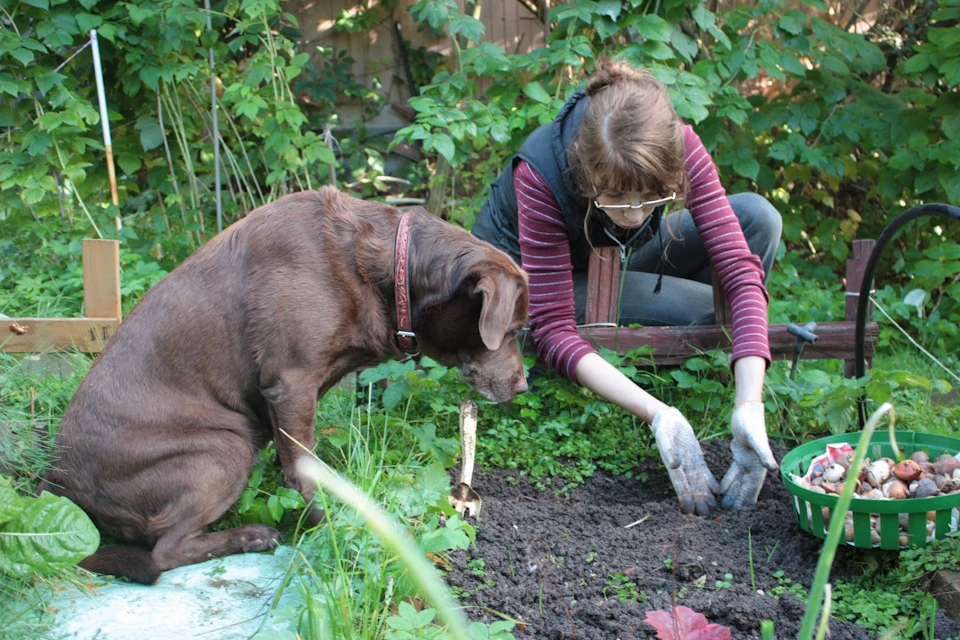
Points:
x=757 y=214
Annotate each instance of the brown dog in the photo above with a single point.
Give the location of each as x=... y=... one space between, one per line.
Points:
x=241 y=340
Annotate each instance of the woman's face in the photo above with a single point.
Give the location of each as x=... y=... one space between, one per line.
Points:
x=631 y=209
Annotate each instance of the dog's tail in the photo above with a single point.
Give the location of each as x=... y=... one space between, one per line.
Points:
x=123 y=562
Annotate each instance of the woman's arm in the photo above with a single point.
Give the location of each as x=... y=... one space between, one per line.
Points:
x=606 y=381
x=738 y=269
x=748 y=375
x=545 y=256
x=691 y=478
x=741 y=276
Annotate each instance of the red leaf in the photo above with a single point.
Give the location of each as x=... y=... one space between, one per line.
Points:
x=685 y=624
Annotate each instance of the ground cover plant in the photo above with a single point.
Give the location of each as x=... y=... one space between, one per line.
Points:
x=842 y=120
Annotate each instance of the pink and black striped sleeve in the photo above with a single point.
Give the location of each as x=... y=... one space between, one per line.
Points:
x=545 y=256
x=740 y=272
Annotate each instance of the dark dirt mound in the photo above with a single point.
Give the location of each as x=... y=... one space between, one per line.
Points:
x=567 y=568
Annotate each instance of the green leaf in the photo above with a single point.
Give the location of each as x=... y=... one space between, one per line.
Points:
x=444 y=146
x=904 y=159
x=792 y=22
x=951 y=126
x=138 y=15
x=151 y=135
x=108 y=32
x=49 y=80
x=747 y=167
x=653 y=27
x=150 y=76
x=86 y=21
x=535 y=91
x=25 y=56
x=276 y=510
x=447 y=538
x=397 y=391
x=950 y=181
x=65 y=24
x=658 y=50
x=791 y=64
x=290 y=498
x=32 y=195
x=10 y=503
x=609 y=8
x=49 y=533
x=8 y=118
x=251 y=107
x=50 y=120
x=129 y=163
x=684 y=44
x=951 y=71
x=703 y=17
x=917 y=63
x=246 y=500
x=467 y=26
x=436 y=13
x=37 y=142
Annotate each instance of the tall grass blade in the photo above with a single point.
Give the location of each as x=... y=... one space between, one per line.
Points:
x=420 y=569
x=836 y=526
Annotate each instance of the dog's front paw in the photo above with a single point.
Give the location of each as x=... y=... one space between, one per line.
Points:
x=258 y=537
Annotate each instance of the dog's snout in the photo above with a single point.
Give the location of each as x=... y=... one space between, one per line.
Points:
x=521 y=385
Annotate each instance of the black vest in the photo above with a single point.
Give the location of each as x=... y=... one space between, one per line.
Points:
x=546 y=151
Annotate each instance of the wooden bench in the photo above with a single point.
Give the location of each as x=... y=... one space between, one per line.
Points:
x=674 y=345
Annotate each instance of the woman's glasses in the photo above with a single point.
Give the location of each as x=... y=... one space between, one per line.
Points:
x=645 y=206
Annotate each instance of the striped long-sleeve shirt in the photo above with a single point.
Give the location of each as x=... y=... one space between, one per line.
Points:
x=545 y=255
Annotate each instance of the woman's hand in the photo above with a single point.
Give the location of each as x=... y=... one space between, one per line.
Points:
x=680 y=452
x=752 y=457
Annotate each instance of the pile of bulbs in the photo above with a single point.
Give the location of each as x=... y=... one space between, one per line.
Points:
x=885 y=479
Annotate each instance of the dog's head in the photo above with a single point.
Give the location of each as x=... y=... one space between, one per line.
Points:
x=479 y=306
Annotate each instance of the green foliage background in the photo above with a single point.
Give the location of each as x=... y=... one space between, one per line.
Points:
x=841 y=130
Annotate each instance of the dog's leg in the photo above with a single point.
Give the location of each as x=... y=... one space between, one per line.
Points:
x=201 y=489
x=187 y=545
x=293 y=406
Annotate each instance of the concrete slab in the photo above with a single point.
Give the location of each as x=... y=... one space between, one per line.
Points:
x=221 y=599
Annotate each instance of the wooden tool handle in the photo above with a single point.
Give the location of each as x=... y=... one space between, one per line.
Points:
x=468 y=439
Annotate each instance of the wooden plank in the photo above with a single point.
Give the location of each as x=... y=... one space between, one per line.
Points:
x=603 y=285
x=721 y=310
x=101 y=279
x=675 y=345
x=88 y=335
x=856 y=267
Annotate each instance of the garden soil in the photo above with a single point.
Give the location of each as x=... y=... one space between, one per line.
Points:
x=565 y=567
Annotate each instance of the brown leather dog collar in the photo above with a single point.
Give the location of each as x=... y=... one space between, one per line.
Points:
x=406 y=338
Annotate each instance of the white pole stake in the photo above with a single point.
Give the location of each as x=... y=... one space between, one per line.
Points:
x=216 y=128
x=111 y=173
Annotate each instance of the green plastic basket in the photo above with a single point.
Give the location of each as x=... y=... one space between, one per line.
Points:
x=807 y=504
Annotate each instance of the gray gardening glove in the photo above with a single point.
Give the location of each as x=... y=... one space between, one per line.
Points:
x=680 y=452
x=752 y=457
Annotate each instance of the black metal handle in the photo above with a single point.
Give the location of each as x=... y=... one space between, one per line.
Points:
x=860 y=362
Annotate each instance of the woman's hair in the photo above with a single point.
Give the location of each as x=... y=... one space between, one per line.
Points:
x=630 y=138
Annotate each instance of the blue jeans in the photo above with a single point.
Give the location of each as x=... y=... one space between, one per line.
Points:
x=686 y=295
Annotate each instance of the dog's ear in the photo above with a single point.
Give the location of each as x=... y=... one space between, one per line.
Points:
x=500 y=293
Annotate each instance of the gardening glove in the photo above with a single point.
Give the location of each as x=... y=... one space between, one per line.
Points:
x=752 y=457
x=680 y=452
